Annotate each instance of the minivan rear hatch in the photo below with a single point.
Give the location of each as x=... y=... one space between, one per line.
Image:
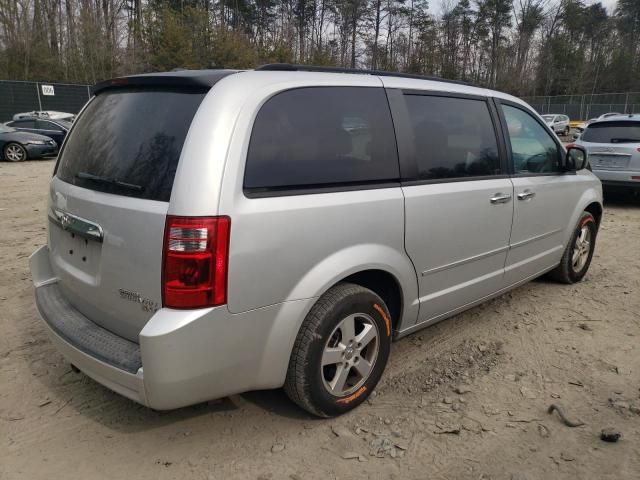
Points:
x=109 y=198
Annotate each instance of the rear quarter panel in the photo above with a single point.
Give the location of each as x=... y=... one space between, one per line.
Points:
x=296 y=247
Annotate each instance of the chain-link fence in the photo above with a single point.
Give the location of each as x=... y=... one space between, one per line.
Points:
x=584 y=107
x=17 y=97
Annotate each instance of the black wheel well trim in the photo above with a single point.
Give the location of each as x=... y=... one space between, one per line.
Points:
x=595 y=209
x=385 y=285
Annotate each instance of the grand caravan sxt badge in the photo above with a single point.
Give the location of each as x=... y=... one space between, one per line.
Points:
x=147 y=304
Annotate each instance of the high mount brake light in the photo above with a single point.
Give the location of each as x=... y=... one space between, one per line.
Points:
x=195 y=260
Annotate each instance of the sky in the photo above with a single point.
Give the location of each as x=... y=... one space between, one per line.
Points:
x=436 y=6
x=609 y=4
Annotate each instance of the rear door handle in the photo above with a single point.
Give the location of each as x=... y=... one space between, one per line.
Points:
x=526 y=195
x=500 y=198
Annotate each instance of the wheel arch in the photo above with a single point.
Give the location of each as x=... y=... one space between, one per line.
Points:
x=372 y=266
x=590 y=201
x=385 y=270
x=595 y=209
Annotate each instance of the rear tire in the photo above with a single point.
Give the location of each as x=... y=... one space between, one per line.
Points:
x=577 y=256
x=340 y=352
x=14 y=152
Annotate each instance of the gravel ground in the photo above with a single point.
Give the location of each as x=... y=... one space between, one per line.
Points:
x=465 y=399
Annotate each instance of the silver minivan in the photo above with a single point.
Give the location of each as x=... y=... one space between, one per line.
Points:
x=214 y=232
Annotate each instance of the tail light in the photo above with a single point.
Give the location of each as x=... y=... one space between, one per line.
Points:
x=196 y=254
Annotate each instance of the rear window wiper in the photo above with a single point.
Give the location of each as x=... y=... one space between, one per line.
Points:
x=109 y=181
x=625 y=140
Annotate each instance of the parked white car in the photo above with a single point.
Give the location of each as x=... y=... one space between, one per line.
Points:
x=558 y=123
x=48 y=114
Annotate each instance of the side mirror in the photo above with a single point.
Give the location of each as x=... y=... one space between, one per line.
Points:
x=576 y=159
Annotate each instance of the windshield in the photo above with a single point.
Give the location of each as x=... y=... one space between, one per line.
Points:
x=612 y=132
x=6 y=128
x=128 y=141
x=64 y=123
x=547 y=118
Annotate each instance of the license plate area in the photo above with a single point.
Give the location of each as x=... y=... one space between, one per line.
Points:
x=610 y=161
x=77 y=255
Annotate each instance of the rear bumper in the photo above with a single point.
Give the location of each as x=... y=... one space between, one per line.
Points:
x=183 y=356
x=623 y=179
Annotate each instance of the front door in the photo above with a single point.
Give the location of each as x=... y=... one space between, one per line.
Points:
x=544 y=195
x=458 y=198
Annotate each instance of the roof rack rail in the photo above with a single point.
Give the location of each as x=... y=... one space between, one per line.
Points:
x=289 y=67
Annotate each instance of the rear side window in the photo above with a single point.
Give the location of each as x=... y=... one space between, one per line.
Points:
x=452 y=137
x=44 y=125
x=128 y=142
x=24 y=124
x=612 y=132
x=320 y=136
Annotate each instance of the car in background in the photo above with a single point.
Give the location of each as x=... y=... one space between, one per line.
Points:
x=613 y=146
x=50 y=114
x=580 y=126
x=558 y=123
x=16 y=146
x=54 y=129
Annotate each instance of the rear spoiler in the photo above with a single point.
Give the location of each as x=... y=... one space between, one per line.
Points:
x=195 y=79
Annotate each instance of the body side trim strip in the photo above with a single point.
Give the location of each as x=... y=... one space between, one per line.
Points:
x=465 y=260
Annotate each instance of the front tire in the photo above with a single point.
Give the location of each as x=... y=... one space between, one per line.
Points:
x=566 y=131
x=14 y=152
x=577 y=256
x=340 y=352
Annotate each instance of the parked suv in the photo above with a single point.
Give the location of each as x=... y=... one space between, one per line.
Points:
x=613 y=144
x=213 y=232
x=558 y=123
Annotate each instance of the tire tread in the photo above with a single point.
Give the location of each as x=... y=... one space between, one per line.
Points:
x=296 y=384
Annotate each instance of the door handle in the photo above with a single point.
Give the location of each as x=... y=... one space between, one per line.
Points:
x=526 y=195
x=500 y=198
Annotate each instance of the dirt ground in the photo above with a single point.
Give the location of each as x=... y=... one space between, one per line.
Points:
x=465 y=399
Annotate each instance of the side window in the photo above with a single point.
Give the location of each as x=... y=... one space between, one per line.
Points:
x=24 y=124
x=44 y=125
x=322 y=136
x=532 y=148
x=452 y=137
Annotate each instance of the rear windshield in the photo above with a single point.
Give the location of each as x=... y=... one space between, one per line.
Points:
x=128 y=142
x=612 y=132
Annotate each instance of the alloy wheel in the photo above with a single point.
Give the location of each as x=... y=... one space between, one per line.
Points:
x=350 y=354
x=14 y=153
x=581 y=249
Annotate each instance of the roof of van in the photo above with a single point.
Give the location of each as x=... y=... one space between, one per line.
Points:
x=205 y=79
x=208 y=78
